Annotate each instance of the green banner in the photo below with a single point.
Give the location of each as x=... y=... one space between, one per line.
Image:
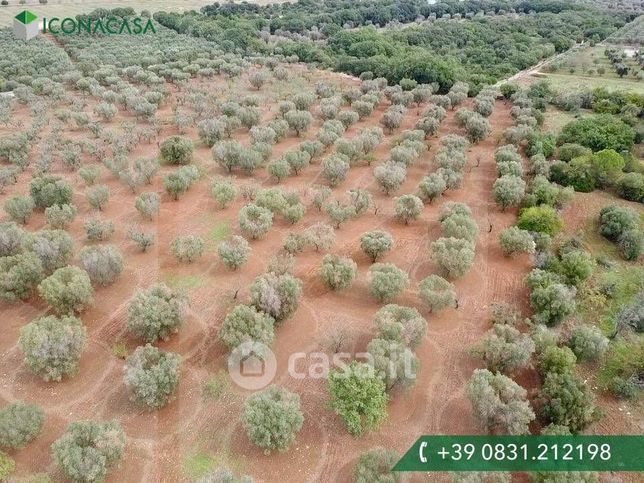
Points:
x=524 y=453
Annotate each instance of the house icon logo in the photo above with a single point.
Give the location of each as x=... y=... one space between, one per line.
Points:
x=252 y=365
x=25 y=25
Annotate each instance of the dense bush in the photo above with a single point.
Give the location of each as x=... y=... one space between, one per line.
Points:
x=631 y=187
x=338 y=272
x=553 y=303
x=436 y=292
x=102 y=263
x=176 y=150
x=19 y=208
x=499 y=403
x=504 y=349
x=375 y=466
x=187 y=248
x=11 y=238
x=386 y=281
x=97 y=229
x=598 y=132
x=234 y=251
x=147 y=204
x=156 y=313
x=151 y=376
x=358 y=396
x=52 y=346
x=245 y=323
x=542 y=218
x=402 y=324
x=587 y=342
x=272 y=418
x=19 y=424
x=376 y=243
x=67 y=290
x=566 y=400
x=393 y=362
x=19 y=275
x=49 y=190
x=514 y=240
x=454 y=256
x=88 y=450
x=97 y=196
x=277 y=295
x=255 y=221
x=59 y=217
x=615 y=220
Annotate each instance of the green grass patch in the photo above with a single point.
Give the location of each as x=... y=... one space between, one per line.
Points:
x=219 y=231
x=184 y=282
x=197 y=465
x=119 y=350
x=215 y=386
x=561 y=82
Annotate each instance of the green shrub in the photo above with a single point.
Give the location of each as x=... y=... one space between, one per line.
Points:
x=68 y=290
x=19 y=208
x=358 y=396
x=272 y=418
x=543 y=219
x=565 y=400
x=504 y=349
x=49 y=190
x=52 y=346
x=88 y=450
x=598 y=132
x=245 y=323
x=514 y=240
x=19 y=424
x=156 y=313
x=19 y=275
x=615 y=220
x=558 y=360
x=375 y=466
x=152 y=376
x=587 y=342
x=631 y=187
x=176 y=150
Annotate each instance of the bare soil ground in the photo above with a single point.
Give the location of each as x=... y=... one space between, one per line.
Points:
x=194 y=431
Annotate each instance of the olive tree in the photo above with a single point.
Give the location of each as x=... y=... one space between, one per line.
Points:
x=508 y=190
x=498 y=403
x=19 y=208
x=48 y=190
x=223 y=191
x=12 y=238
x=375 y=466
x=277 y=295
x=97 y=196
x=390 y=176
x=553 y=303
x=320 y=235
x=234 y=251
x=151 y=376
x=59 y=217
x=142 y=239
x=339 y=212
x=514 y=240
x=255 y=221
x=504 y=349
x=454 y=256
x=97 y=229
x=272 y=418
x=102 y=263
x=53 y=346
x=53 y=247
x=386 y=281
x=68 y=290
x=177 y=150
x=338 y=272
x=431 y=187
x=244 y=323
x=436 y=292
x=147 y=204
x=20 y=423
x=398 y=323
x=408 y=208
x=376 y=243
x=19 y=275
x=358 y=397
x=299 y=121
x=187 y=248
x=88 y=450
x=156 y=313
x=334 y=168
x=587 y=342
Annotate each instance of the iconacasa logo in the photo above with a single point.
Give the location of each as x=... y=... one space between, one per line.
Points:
x=105 y=26
x=25 y=25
